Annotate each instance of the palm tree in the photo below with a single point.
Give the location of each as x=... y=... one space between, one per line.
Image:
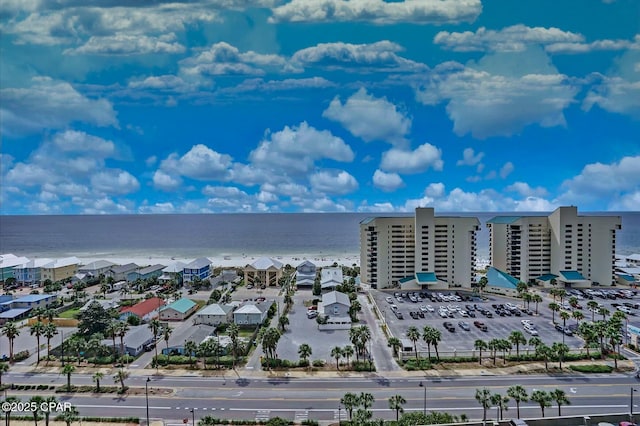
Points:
x=190 y=347
x=554 y=308
x=587 y=331
x=121 y=376
x=122 y=330
x=203 y=351
x=504 y=345
x=11 y=331
x=347 y=351
x=283 y=321
x=366 y=400
x=519 y=394
x=270 y=340
x=395 y=403
x=354 y=308
x=432 y=336
x=599 y=328
x=336 y=353
x=96 y=378
x=49 y=401
x=50 y=330
x=233 y=331
x=350 y=401
x=560 y=398
x=542 y=398
x=482 y=283
x=7 y=413
x=68 y=369
x=69 y=416
x=593 y=307
x=545 y=352
x=604 y=312
x=36 y=401
x=395 y=344
x=517 y=338
x=536 y=298
x=562 y=293
x=3 y=369
x=573 y=301
x=480 y=345
x=493 y=346
x=612 y=332
x=578 y=316
x=166 y=334
x=483 y=396
x=561 y=350
x=112 y=331
x=304 y=350
x=501 y=404
x=154 y=326
x=37 y=329
x=413 y=334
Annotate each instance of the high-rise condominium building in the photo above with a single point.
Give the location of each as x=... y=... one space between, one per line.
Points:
x=572 y=247
x=394 y=248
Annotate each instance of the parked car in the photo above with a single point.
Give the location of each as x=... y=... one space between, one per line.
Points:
x=482 y=326
x=464 y=325
x=388 y=299
x=312 y=314
x=449 y=327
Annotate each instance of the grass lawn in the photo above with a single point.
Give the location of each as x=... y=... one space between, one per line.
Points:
x=69 y=313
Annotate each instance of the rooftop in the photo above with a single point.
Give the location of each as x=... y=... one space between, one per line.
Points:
x=215 y=309
x=504 y=219
x=199 y=263
x=498 y=278
x=181 y=305
x=266 y=263
x=335 y=297
x=31 y=298
x=572 y=276
x=426 y=277
x=144 y=308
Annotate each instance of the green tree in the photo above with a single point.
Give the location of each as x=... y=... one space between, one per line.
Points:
x=336 y=353
x=587 y=331
x=482 y=284
x=517 y=339
x=154 y=326
x=37 y=329
x=348 y=351
x=7 y=413
x=350 y=401
x=304 y=351
x=233 y=331
x=283 y=321
x=578 y=316
x=395 y=344
x=366 y=400
x=483 y=396
x=519 y=394
x=70 y=415
x=432 y=336
x=166 y=335
x=560 y=398
x=11 y=331
x=97 y=376
x=480 y=345
x=593 y=307
x=3 y=369
x=123 y=328
x=604 y=312
x=50 y=330
x=413 y=334
x=36 y=401
x=545 y=352
x=396 y=403
x=95 y=319
x=47 y=413
x=68 y=369
x=536 y=299
x=501 y=404
x=542 y=398
x=564 y=316
x=120 y=376
x=354 y=308
x=561 y=350
x=190 y=348
x=270 y=342
x=554 y=308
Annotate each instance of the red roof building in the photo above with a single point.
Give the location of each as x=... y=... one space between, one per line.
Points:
x=144 y=310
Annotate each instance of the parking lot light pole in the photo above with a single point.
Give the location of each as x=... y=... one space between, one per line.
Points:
x=146 y=394
x=631 y=391
x=339 y=414
x=193 y=416
x=424 y=401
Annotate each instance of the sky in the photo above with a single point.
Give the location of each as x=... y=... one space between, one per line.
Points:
x=152 y=106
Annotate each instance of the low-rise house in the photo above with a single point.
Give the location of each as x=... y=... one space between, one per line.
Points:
x=306 y=274
x=145 y=310
x=7 y=264
x=120 y=272
x=198 y=269
x=173 y=272
x=60 y=269
x=331 y=277
x=336 y=304
x=105 y=303
x=14 y=315
x=32 y=301
x=179 y=310
x=264 y=271
x=97 y=268
x=252 y=313
x=226 y=276
x=81 y=278
x=30 y=272
x=135 y=341
x=146 y=273
x=214 y=314
x=197 y=334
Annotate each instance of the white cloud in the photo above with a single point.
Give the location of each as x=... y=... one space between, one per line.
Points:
x=597 y=45
x=321 y=204
x=225 y=192
x=629 y=201
x=506 y=169
x=334 y=182
x=501 y=94
x=50 y=104
x=200 y=162
x=169 y=83
x=378 y=11
x=114 y=182
x=510 y=39
x=296 y=149
x=376 y=207
x=166 y=182
x=435 y=190
x=534 y=204
x=470 y=158
x=380 y=56
x=128 y=44
x=158 y=208
x=525 y=190
x=370 y=118
x=258 y=84
x=266 y=197
x=104 y=205
x=222 y=59
x=403 y=161
x=387 y=182
x=76 y=141
x=288 y=189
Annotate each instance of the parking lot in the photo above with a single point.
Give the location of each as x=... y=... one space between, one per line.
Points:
x=461 y=314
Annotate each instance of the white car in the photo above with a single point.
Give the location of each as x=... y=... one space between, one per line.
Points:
x=388 y=299
x=463 y=314
x=443 y=314
x=430 y=308
x=423 y=308
x=531 y=331
x=525 y=322
x=312 y=314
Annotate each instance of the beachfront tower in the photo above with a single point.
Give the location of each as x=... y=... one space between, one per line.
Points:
x=576 y=250
x=423 y=251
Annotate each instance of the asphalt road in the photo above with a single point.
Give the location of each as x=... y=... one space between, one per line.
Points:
x=299 y=399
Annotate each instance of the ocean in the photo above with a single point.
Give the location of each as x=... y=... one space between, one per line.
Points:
x=194 y=235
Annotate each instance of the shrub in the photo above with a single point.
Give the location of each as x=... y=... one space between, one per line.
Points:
x=318 y=362
x=21 y=356
x=592 y=368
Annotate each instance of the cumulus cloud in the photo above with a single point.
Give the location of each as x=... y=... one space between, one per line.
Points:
x=166 y=182
x=223 y=59
x=597 y=45
x=515 y=38
x=406 y=161
x=158 y=208
x=534 y=204
x=381 y=56
x=50 y=104
x=258 y=84
x=470 y=158
x=378 y=11
x=114 y=181
x=296 y=149
x=370 y=118
x=501 y=94
x=333 y=182
x=387 y=182
x=506 y=169
x=200 y=162
x=525 y=190
x=128 y=44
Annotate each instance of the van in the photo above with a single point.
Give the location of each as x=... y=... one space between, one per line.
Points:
x=34 y=286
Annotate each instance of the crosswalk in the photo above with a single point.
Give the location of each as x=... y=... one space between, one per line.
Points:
x=262 y=415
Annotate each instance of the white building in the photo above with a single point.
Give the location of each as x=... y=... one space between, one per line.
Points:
x=306 y=274
x=214 y=314
x=330 y=277
x=394 y=249
x=579 y=250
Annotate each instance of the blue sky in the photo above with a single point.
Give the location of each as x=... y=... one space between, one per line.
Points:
x=318 y=105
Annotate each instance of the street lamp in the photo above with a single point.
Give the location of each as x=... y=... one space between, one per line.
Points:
x=339 y=414
x=62 y=334
x=424 y=402
x=193 y=416
x=631 y=391
x=146 y=393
